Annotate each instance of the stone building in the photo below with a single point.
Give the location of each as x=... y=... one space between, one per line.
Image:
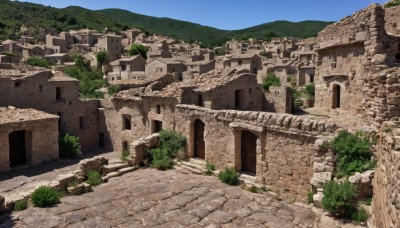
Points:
x=9 y=58
x=33 y=50
x=54 y=93
x=127 y=68
x=250 y=62
x=58 y=58
x=22 y=134
x=55 y=44
x=112 y=44
x=162 y=66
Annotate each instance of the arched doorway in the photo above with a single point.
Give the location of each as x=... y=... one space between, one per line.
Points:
x=336 y=96
x=248 y=152
x=17 y=149
x=199 y=143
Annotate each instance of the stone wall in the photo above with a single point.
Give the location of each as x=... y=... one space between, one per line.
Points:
x=38 y=91
x=279 y=100
x=386 y=201
x=392 y=20
x=142 y=113
x=41 y=136
x=285 y=143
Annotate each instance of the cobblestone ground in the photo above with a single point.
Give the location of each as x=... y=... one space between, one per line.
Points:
x=151 y=198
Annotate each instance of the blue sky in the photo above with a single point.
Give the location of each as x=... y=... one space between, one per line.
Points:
x=228 y=14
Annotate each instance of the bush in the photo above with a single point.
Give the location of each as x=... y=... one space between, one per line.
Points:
x=339 y=198
x=102 y=57
x=296 y=94
x=125 y=154
x=229 y=176
x=310 y=197
x=361 y=215
x=393 y=3
x=45 y=196
x=93 y=178
x=292 y=80
x=353 y=153
x=168 y=148
x=69 y=146
x=271 y=80
x=310 y=90
x=113 y=89
x=210 y=168
x=21 y=205
x=138 y=49
x=36 y=61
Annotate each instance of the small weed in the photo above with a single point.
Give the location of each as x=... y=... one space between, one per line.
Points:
x=21 y=205
x=254 y=189
x=210 y=168
x=229 y=176
x=264 y=189
x=93 y=178
x=361 y=215
x=125 y=154
x=73 y=183
x=367 y=201
x=389 y=130
x=310 y=198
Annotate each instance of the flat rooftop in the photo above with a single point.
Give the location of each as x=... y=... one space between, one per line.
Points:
x=11 y=115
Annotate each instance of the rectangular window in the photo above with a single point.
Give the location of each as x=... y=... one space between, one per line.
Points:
x=58 y=93
x=81 y=123
x=40 y=89
x=126 y=119
x=158 y=109
x=200 y=100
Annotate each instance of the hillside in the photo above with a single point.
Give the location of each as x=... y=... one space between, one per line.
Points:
x=13 y=14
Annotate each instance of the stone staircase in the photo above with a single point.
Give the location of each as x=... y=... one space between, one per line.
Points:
x=193 y=165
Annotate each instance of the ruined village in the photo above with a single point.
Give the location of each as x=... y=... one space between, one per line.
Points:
x=269 y=109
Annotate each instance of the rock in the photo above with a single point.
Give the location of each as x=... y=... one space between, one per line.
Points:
x=378 y=59
x=77 y=190
x=64 y=179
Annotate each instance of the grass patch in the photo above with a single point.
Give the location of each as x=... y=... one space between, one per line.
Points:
x=353 y=153
x=229 y=176
x=73 y=183
x=170 y=145
x=210 y=168
x=36 y=61
x=45 y=196
x=125 y=154
x=93 y=178
x=21 y=205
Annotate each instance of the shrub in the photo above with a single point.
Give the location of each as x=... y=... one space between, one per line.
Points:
x=292 y=80
x=113 y=89
x=393 y=4
x=353 y=153
x=270 y=80
x=229 y=176
x=45 y=196
x=125 y=154
x=210 y=168
x=310 y=197
x=21 y=205
x=168 y=148
x=309 y=90
x=102 y=57
x=361 y=215
x=93 y=178
x=69 y=146
x=254 y=189
x=36 y=61
x=339 y=198
x=296 y=94
x=138 y=49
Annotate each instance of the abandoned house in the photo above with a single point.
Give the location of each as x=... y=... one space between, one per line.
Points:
x=21 y=137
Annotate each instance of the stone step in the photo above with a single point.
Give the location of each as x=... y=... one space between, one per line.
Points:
x=191 y=169
x=110 y=175
x=113 y=167
x=198 y=161
x=194 y=166
x=248 y=179
x=126 y=170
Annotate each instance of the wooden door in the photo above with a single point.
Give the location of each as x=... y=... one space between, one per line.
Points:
x=249 y=152
x=199 y=143
x=17 y=148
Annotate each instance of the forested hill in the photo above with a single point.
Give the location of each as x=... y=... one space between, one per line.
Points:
x=13 y=14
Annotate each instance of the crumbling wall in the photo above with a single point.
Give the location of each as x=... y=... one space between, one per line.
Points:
x=285 y=143
x=278 y=99
x=386 y=201
x=392 y=20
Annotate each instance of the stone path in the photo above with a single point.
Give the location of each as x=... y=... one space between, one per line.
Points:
x=151 y=198
x=26 y=179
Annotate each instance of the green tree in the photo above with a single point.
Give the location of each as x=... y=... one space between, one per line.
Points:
x=102 y=57
x=138 y=49
x=271 y=80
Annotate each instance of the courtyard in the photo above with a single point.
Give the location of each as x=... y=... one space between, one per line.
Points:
x=152 y=198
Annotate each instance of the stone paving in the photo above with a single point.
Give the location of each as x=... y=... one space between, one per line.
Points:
x=23 y=180
x=151 y=198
